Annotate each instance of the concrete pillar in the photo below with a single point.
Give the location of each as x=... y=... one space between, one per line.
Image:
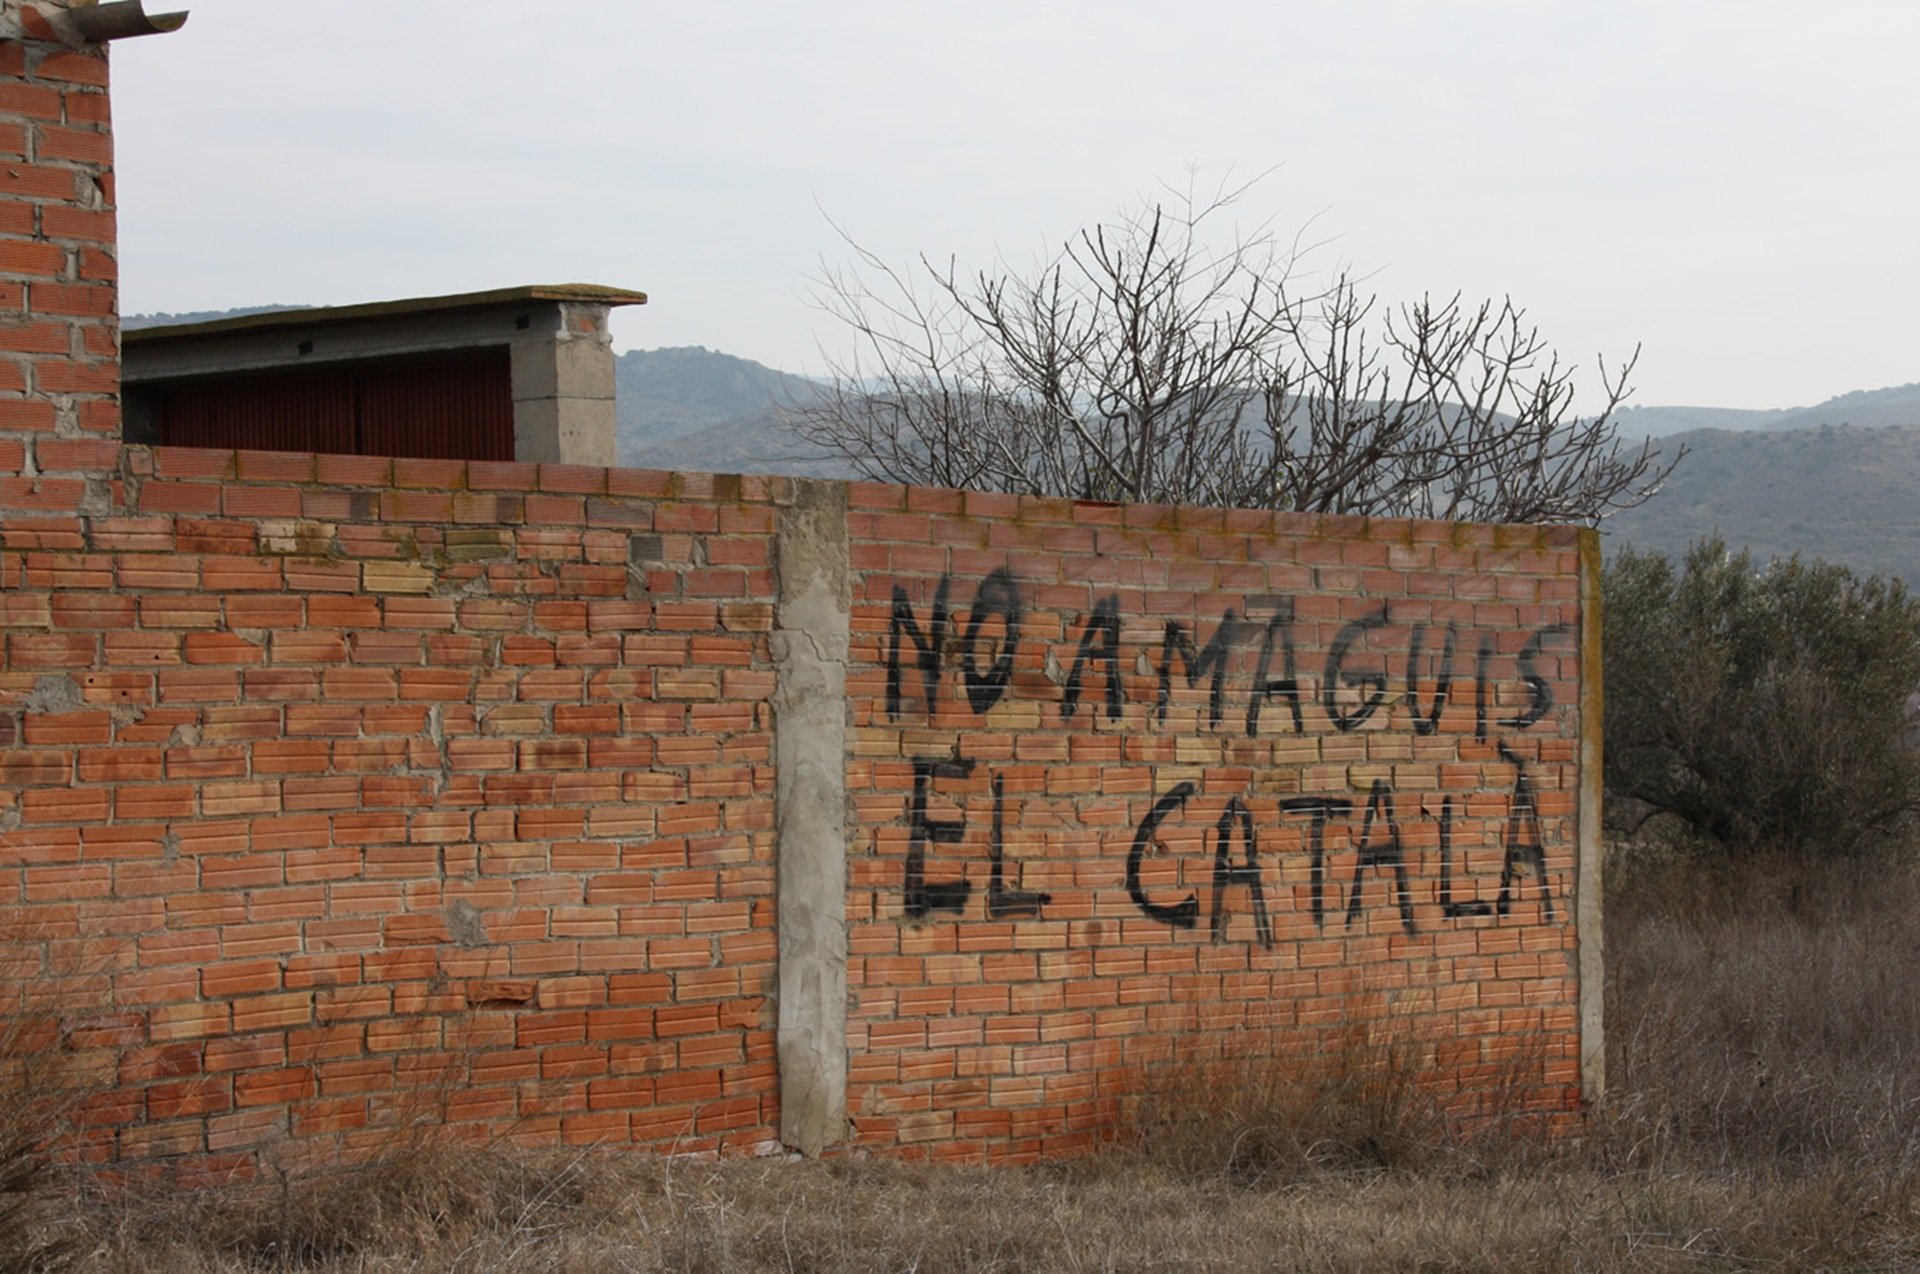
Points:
x=810 y=640
x=563 y=387
x=1588 y=914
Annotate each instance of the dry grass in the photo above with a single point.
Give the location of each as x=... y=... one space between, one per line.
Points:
x=1766 y=1114
x=1266 y=1109
x=610 y=1212
x=35 y=1229
x=1767 y=1018
x=53 y=1085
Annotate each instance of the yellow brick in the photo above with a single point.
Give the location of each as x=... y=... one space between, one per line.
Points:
x=395 y=577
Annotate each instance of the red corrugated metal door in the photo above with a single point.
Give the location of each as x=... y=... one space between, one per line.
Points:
x=457 y=407
x=271 y=413
x=452 y=409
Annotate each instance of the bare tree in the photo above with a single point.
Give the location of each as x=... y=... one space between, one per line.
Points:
x=1142 y=364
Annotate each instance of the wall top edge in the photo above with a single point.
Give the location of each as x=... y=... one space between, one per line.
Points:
x=250 y=467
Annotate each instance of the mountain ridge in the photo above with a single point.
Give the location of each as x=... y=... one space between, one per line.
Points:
x=1839 y=492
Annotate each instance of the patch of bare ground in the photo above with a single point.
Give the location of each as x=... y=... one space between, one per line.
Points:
x=1765 y=1114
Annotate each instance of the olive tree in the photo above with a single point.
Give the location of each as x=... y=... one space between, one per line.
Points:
x=1767 y=707
x=1160 y=357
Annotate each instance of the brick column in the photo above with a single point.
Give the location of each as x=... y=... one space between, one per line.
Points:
x=59 y=322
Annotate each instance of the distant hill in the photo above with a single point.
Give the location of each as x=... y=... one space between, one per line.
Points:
x=668 y=392
x=1659 y=422
x=161 y=318
x=695 y=408
x=1843 y=493
x=1867 y=408
x=750 y=444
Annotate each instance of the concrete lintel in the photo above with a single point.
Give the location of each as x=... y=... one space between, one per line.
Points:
x=151 y=356
x=810 y=644
x=1589 y=913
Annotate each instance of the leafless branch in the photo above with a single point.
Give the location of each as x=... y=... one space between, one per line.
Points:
x=1145 y=362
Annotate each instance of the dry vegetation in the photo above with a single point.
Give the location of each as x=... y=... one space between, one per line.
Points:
x=1765 y=1114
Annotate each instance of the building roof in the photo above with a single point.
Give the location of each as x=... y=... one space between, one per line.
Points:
x=271 y=320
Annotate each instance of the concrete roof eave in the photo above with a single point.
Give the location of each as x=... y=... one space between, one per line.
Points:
x=272 y=320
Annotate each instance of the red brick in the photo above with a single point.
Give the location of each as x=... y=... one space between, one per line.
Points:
x=32 y=414
x=30 y=100
x=46 y=260
x=75 y=66
x=58 y=221
x=85 y=107
x=26 y=181
x=68 y=298
x=82 y=145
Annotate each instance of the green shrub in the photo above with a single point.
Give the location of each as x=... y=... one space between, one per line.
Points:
x=1764 y=706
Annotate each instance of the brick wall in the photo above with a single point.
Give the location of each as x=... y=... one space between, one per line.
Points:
x=341 y=792
x=1193 y=777
x=339 y=795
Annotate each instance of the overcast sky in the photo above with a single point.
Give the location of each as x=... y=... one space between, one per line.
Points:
x=1733 y=185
